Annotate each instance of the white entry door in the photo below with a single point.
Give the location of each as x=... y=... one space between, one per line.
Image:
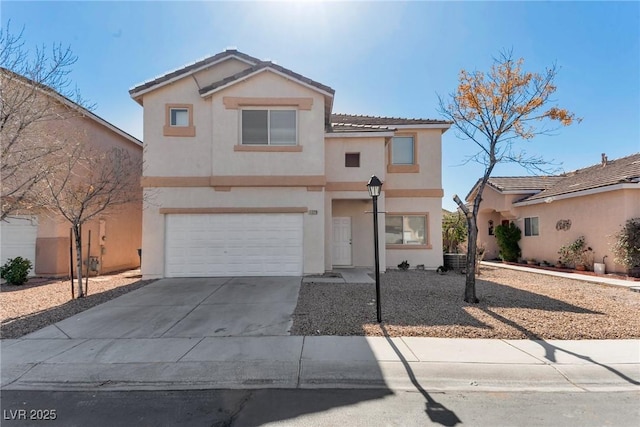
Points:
x=341 y=248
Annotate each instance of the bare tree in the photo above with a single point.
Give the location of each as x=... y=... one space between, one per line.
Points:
x=495 y=110
x=89 y=182
x=34 y=91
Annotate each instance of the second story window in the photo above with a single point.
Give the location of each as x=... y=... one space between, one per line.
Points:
x=179 y=120
x=269 y=127
x=402 y=150
x=352 y=160
x=179 y=117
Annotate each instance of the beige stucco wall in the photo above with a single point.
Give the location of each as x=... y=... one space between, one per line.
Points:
x=595 y=216
x=429 y=160
x=431 y=257
x=372 y=159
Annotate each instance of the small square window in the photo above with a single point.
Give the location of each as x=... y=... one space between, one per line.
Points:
x=178 y=120
x=179 y=117
x=352 y=160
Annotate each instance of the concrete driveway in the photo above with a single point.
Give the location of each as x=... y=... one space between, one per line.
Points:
x=189 y=308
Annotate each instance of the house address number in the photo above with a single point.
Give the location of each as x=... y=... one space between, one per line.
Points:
x=563 y=225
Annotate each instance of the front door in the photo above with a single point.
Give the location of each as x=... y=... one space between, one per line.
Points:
x=341 y=241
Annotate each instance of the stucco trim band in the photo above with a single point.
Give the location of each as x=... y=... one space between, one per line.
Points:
x=248 y=210
x=234 y=181
x=268 y=181
x=234 y=103
x=175 y=181
x=410 y=192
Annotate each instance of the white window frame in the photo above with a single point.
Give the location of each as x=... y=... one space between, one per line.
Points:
x=268 y=109
x=530 y=232
x=404 y=241
x=175 y=125
x=413 y=150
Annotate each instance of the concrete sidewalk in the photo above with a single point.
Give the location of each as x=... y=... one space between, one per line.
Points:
x=233 y=333
x=569 y=274
x=406 y=363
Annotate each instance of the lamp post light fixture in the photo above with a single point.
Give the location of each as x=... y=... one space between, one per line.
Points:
x=375 y=186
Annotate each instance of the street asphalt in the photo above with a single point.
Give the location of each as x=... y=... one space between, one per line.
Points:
x=233 y=333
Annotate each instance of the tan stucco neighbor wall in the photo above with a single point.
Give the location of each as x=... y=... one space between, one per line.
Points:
x=123 y=224
x=596 y=216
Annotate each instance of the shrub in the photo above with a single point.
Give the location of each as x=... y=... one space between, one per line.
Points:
x=576 y=253
x=15 y=270
x=454 y=232
x=626 y=246
x=507 y=237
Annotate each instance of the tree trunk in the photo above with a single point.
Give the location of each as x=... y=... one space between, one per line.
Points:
x=77 y=233
x=472 y=247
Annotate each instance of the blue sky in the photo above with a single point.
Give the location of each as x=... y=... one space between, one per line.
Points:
x=382 y=58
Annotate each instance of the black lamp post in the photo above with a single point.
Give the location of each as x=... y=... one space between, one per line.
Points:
x=374 y=186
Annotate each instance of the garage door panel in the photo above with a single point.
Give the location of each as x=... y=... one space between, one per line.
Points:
x=233 y=245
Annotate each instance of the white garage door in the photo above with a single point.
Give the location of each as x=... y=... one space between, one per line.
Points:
x=205 y=245
x=18 y=235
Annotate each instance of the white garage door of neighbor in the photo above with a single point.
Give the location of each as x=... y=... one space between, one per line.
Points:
x=206 y=245
x=18 y=235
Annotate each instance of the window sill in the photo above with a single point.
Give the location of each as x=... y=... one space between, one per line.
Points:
x=403 y=168
x=269 y=148
x=409 y=247
x=179 y=131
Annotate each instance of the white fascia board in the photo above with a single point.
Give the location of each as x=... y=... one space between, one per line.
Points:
x=518 y=191
x=582 y=193
x=359 y=134
x=424 y=126
x=181 y=76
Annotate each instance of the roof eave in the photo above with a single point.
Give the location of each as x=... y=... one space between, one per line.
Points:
x=581 y=193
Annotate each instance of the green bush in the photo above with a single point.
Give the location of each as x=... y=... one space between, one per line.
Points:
x=508 y=237
x=626 y=245
x=15 y=270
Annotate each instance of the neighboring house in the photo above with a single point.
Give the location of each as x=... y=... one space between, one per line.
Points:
x=248 y=172
x=44 y=238
x=552 y=211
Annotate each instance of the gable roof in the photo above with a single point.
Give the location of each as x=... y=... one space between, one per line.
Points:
x=264 y=65
x=189 y=69
x=256 y=66
x=605 y=174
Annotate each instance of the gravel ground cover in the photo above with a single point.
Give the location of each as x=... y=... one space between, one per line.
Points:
x=42 y=302
x=513 y=305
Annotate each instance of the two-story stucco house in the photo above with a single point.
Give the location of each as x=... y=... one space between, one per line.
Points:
x=248 y=173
